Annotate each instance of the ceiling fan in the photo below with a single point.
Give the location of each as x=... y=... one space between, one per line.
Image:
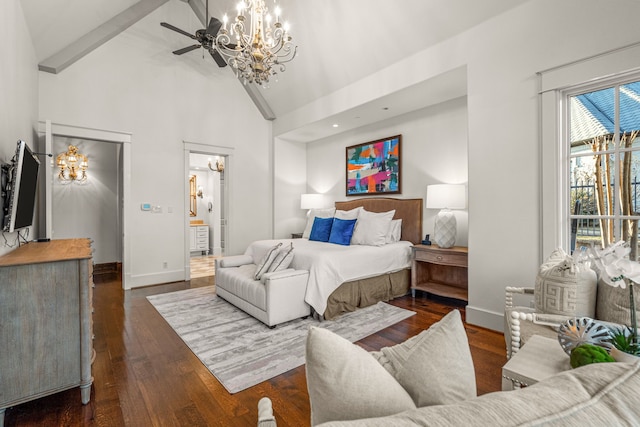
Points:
x=205 y=38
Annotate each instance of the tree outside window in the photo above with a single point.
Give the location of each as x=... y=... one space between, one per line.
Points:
x=604 y=128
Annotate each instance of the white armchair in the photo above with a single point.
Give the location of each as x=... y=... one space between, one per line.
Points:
x=523 y=322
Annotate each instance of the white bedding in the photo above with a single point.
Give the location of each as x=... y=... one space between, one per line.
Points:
x=331 y=265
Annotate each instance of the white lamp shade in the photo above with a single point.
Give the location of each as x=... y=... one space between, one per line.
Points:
x=446 y=196
x=312 y=201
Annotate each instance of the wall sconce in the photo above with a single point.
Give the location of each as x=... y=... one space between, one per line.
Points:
x=445 y=197
x=73 y=166
x=219 y=167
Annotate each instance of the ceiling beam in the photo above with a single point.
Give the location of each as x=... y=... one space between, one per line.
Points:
x=253 y=90
x=97 y=37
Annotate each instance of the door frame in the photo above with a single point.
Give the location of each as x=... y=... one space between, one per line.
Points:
x=209 y=150
x=49 y=130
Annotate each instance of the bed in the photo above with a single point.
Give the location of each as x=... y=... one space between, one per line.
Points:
x=344 y=278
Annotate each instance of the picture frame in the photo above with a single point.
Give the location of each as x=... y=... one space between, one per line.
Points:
x=374 y=167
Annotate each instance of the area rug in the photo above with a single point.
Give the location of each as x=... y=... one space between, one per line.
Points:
x=241 y=351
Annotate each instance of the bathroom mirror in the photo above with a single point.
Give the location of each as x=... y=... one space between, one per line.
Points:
x=193 y=189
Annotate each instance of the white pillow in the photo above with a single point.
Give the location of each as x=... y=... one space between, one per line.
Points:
x=351 y=214
x=371 y=228
x=320 y=213
x=395 y=231
x=265 y=262
x=283 y=259
x=346 y=383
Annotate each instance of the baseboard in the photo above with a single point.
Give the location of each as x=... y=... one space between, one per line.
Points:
x=485 y=318
x=139 y=280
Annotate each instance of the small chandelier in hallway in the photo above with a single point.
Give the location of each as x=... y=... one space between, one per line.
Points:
x=73 y=166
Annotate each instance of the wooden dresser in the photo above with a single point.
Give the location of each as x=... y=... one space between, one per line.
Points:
x=46 y=326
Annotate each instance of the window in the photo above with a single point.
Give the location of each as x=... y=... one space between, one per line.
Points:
x=602 y=142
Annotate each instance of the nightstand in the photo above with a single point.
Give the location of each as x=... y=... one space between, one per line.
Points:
x=440 y=271
x=296 y=235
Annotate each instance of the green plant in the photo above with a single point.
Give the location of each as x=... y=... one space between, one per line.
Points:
x=585 y=354
x=624 y=340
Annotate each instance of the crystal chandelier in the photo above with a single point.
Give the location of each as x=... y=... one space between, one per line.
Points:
x=73 y=166
x=255 y=44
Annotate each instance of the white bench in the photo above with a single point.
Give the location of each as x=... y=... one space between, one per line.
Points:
x=276 y=298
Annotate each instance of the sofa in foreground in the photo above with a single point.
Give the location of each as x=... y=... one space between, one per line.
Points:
x=426 y=381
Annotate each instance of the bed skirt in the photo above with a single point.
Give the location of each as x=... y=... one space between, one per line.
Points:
x=365 y=292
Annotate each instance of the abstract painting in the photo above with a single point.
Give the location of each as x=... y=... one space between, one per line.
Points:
x=374 y=167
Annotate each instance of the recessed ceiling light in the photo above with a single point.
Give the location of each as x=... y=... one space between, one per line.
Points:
x=385 y=108
x=335 y=125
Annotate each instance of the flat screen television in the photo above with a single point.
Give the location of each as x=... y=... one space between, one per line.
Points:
x=22 y=183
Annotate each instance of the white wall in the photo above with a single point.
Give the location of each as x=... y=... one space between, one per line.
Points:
x=90 y=209
x=504 y=149
x=290 y=182
x=132 y=84
x=502 y=57
x=18 y=90
x=434 y=150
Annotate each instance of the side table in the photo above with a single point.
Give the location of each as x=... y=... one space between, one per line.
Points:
x=539 y=358
x=440 y=271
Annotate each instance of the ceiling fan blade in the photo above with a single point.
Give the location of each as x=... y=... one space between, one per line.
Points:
x=218 y=58
x=214 y=26
x=186 y=49
x=176 y=29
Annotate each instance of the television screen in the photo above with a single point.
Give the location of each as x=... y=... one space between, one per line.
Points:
x=21 y=191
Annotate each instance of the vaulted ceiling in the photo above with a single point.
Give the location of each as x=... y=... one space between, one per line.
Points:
x=339 y=41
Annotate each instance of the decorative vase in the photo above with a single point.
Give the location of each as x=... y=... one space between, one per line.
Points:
x=621 y=356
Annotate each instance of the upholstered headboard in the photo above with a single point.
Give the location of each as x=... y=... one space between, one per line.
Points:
x=408 y=210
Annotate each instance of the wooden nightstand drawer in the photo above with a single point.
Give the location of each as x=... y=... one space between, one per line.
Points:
x=459 y=259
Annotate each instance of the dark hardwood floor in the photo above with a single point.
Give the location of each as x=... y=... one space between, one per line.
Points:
x=144 y=375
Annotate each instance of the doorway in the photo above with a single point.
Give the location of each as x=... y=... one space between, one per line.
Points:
x=107 y=184
x=91 y=208
x=206 y=212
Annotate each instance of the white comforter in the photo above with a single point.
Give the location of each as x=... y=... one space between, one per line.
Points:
x=331 y=265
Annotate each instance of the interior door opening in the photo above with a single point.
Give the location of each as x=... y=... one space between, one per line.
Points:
x=206 y=212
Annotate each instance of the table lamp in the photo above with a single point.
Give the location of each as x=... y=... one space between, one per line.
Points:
x=445 y=197
x=311 y=201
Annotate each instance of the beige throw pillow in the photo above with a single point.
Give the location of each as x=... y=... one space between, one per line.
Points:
x=283 y=259
x=265 y=262
x=435 y=366
x=614 y=305
x=346 y=383
x=432 y=368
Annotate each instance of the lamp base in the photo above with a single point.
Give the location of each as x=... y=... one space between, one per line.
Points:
x=444 y=233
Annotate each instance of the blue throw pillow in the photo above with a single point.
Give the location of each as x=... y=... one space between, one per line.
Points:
x=321 y=229
x=341 y=231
